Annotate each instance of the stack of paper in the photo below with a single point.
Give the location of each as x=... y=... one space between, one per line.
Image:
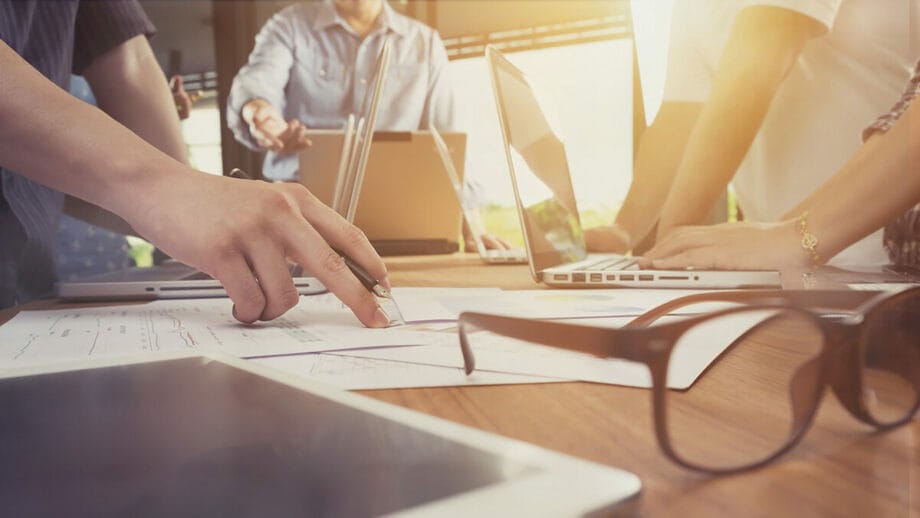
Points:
x=425 y=352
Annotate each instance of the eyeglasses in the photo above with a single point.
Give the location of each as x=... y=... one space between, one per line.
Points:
x=756 y=399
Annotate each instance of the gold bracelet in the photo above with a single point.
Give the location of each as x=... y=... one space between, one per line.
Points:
x=809 y=240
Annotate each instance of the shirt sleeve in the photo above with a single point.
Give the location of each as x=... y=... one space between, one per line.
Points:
x=102 y=25
x=265 y=75
x=822 y=11
x=688 y=78
x=886 y=121
x=441 y=103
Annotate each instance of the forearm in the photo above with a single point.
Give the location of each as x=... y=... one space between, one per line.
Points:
x=764 y=44
x=725 y=130
x=129 y=86
x=878 y=184
x=71 y=146
x=657 y=160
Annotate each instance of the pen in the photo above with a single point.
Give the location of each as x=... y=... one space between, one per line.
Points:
x=368 y=280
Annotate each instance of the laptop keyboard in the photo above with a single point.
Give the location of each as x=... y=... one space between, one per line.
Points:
x=610 y=263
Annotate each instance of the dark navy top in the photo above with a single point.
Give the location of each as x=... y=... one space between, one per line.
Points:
x=56 y=37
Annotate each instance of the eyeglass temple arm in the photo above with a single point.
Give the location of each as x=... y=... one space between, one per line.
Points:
x=596 y=341
x=815 y=299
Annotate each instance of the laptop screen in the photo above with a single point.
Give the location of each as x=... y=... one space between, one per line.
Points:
x=539 y=170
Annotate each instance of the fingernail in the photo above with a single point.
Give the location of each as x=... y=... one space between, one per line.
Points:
x=381 y=319
x=385 y=282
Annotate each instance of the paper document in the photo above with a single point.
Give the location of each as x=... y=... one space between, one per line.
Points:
x=317 y=323
x=355 y=373
x=501 y=354
x=446 y=304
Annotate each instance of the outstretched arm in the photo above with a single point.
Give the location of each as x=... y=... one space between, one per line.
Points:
x=256 y=101
x=763 y=46
x=240 y=232
x=659 y=155
x=880 y=179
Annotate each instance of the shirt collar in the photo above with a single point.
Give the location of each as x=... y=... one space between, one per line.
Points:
x=388 y=20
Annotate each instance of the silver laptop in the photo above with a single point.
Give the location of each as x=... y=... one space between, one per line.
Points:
x=471 y=213
x=171 y=280
x=545 y=200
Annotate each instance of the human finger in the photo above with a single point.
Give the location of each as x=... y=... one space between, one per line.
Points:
x=236 y=276
x=339 y=233
x=294 y=137
x=494 y=242
x=308 y=248
x=680 y=239
x=706 y=258
x=271 y=268
x=300 y=140
x=264 y=139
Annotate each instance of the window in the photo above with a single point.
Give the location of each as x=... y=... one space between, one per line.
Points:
x=588 y=89
x=201 y=132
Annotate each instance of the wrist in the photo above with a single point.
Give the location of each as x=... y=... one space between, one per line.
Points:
x=141 y=185
x=791 y=241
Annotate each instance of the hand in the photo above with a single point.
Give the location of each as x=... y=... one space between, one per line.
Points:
x=609 y=239
x=271 y=132
x=493 y=242
x=242 y=232
x=182 y=98
x=490 y=241
x=729 y=246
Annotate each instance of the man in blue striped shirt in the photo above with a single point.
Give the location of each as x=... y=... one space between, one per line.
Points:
x=311 y=66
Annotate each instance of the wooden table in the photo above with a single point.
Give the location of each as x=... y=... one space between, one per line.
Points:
x=841 y=468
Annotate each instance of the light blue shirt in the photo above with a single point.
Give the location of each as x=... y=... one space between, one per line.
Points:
x=311 y=65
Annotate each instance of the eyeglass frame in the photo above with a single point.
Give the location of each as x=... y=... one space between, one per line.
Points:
x=839 y=360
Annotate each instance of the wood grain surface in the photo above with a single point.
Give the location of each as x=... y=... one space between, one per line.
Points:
x=841 y=467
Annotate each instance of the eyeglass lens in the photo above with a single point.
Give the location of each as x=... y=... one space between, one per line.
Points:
x=890 y=367
x=753 y=399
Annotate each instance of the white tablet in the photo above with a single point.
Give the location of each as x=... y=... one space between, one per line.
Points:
x=215 y=436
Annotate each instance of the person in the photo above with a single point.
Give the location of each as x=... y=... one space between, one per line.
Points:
x=240 y=232
x=880 y=179
x=311 y=66
x=767 y=94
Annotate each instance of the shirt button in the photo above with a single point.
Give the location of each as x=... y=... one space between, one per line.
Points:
x=363 y=81
x=322 y=73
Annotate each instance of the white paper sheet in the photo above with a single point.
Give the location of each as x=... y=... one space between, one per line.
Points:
x=355 y=373
x=446 y=304
x=318 y=323
x=500 y=354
